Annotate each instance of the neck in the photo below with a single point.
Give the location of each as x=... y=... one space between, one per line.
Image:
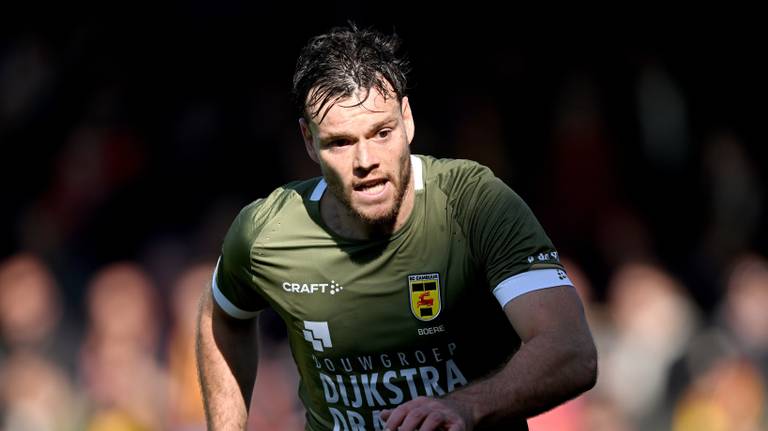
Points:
x=339 y=219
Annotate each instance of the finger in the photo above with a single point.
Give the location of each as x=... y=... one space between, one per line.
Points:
x=414 y=418
x=396 y=417
x=435 y=420
x=384 y=414
x=456 y=427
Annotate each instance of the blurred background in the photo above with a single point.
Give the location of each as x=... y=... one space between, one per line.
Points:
x=129 y=146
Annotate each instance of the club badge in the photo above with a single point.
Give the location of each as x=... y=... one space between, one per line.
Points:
x=424 y=290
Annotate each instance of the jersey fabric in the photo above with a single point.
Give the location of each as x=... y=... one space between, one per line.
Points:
x=375 y=323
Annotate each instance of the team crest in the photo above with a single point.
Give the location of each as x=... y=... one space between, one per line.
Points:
x=424 y=291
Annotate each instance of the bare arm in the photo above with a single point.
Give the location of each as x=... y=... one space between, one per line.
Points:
x=227 y=357
x=556 y=362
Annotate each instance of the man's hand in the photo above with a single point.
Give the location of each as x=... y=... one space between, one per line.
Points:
x=428 y=414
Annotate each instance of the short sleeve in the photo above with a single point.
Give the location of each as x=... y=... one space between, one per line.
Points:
x=233 y=283
x=506 y=238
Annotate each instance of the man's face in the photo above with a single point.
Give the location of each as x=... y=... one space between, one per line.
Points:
x=363 y=151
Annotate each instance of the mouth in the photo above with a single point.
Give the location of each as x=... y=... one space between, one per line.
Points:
x=371 y=187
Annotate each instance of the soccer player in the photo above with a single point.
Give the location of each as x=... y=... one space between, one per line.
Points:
x=418 y=293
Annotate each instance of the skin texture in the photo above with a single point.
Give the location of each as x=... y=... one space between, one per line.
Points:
x=358 y=144
x=227 y=356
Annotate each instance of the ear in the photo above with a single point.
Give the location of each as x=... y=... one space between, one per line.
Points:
x=309 y=142
x=410 y=127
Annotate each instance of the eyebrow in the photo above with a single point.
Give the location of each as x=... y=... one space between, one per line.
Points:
x=376 y=126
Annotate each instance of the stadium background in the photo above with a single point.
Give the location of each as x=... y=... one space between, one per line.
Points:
x=129 y=146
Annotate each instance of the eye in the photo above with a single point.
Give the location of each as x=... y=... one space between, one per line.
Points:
x=384 y=133
x=337 y=143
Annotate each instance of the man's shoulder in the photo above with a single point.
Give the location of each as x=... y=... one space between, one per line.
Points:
x=256 y=214
x=451 y=175
x=469 y=187
x=291 y=193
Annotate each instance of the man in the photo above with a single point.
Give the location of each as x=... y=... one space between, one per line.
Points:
x=418 y=293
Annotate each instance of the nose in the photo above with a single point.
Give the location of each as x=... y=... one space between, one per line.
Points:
x=365 y=158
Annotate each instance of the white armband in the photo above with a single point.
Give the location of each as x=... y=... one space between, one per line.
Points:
x=525 y=282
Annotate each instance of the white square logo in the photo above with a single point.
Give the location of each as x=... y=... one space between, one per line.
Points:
x=318 y=335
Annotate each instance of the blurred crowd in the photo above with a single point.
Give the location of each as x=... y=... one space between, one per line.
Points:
x=131 y=367
x=128 y=153
x=663 y=365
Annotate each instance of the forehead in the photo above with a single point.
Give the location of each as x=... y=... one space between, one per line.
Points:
x=363 y=108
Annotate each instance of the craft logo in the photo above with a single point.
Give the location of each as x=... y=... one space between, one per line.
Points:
x=424 y=291
x=332 y=288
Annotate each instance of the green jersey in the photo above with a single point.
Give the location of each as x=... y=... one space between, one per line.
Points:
x=375 y=323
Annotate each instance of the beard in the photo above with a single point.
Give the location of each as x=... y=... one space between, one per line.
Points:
x=380 y=224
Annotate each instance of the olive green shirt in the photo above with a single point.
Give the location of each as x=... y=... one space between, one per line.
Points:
x=375 y=323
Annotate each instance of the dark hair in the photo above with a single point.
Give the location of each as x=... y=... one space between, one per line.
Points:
x=336 y=64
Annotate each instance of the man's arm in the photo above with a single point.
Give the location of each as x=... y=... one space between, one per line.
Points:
x=227 y=356
x=556 y=362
